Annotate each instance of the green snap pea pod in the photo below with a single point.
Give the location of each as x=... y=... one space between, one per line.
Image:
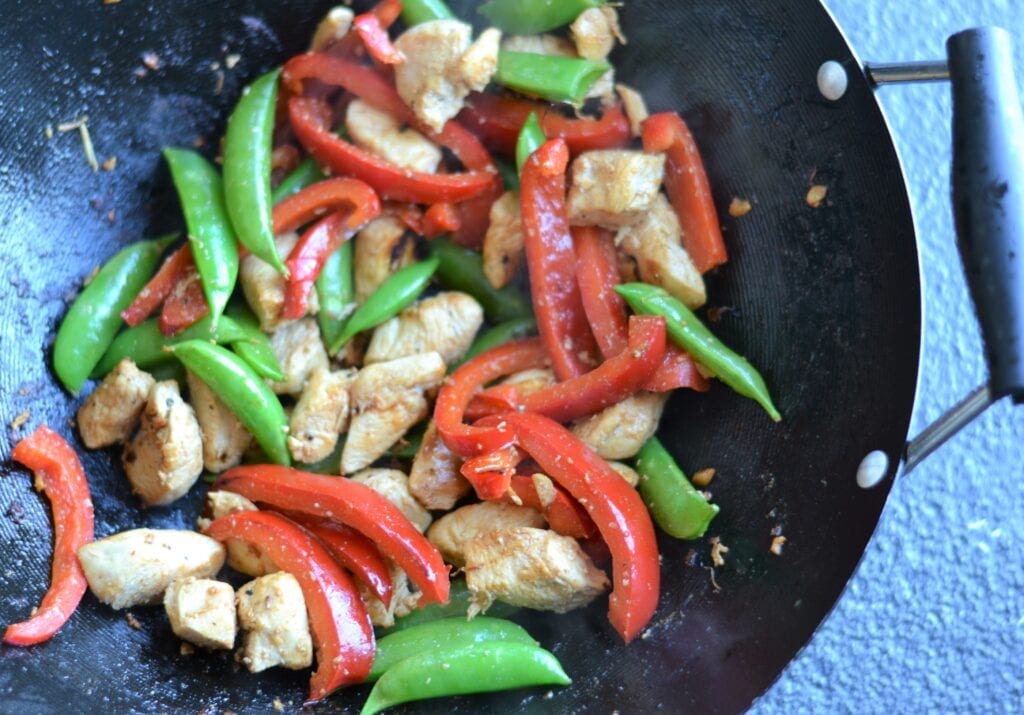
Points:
x=306 y=173
x=242 y=390
x=689 y=333
x=335 y=291
x=254 y=346
x=209 y=231
x=416 y=11
x=462 y=269
x=408 y=446
x=169 y=371
x=445 y=633
x=531 y=137
x=525 y=17
x=247 y=158
x=499 y=335
x=556 y=79
x=459 y=599
x=92 y=321
x=393 y=296
x=478 y=668
x=678 y=507
x=509 y=173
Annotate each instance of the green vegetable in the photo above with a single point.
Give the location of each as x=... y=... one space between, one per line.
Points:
x=254 y=347
x=556 y=79
x=91 y=323
x=531 y=138
x=462 y=269
x=416 y=11
x=408 y=446
x=499 y=335
x=306 y=173
x=335 y=291
x=508 y=172
x=690 y=334
x=329 y=465
x=525 y=17
x=678 y=507
x=459 y=599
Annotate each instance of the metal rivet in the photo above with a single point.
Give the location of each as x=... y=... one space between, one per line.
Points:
x=872 y=469
x=832 y=80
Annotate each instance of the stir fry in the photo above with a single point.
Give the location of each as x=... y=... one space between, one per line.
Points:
x=420 y=336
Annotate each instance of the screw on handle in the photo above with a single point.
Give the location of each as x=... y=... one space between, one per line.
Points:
x=988 y=195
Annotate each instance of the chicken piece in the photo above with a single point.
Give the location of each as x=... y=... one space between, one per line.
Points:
x=393 y=485
x=634 y=105
x=531 y=568
x=110 y=414
x=136 y=567
x=619 y=431
x=435 y=479
x=333 y=27
x=613 y=187
x=387 y=399
x=241 y=555
x=594 y=32
x=445 y=323
x=264 y=287
x=272 y=612
x=626 y=472
x=225 y=438
x=532 y=380
x=202 y=611
x=442 y=67
x=299 y=349
x=165 y=458
x=382 y=247
x=380 y=133
x=403 y=599
x=320 y=415
x=452 y=533
x=503 y=248
x=655 y=244
x=539 y=45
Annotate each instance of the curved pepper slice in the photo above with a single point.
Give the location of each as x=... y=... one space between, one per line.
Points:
x=491 y=473
x=376 y=40
x=60 y=475
x=186 y=304
x=316 y=200
x=386 y=12
x=350 y=503
x=159 y=287
x=564 y=514
x=338 y=620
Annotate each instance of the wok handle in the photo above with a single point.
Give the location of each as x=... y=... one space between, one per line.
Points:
x=988 y=195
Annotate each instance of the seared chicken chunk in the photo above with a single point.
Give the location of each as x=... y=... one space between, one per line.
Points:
x=202 y=611
x=545 y=44
x=264 y=287
x=320 y=415
x=594 y=32
x=403 y=599
x=452 y=533
x=333 y=27
x=225 y=438
x=503 y=248
x=136 y=567
x=387 y=399
x=435 y=479
x=241 y=555
x=112 y=410
x=393 y=485
x=619 y=431
x=531 y=568
x=165 y=458
x=382 y=247
x=445 y=323
x=272 y=612
x=299 y=349
x=381 y=134
x=613 y=187
x=532 y=380
x=626 y=472
x=655 y=243
x=634 y=105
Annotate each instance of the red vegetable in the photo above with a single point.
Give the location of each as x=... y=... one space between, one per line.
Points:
x=159 y=287
x=350 y=503
x=687 y=185
x=376 y=40
x=338 y=621
x=386 y=12
x=491 y=473
x=440 y=218
x=561 y=322
x=323 y=197
x=186 y=304
x=564 y=514
x=60 y=475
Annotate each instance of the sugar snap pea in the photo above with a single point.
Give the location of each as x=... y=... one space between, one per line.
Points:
x=557 y=79
x=91 y=323
x=409 y=445
x=525 y=17
x=509 y=173
x=462 y=269
x=335 y=290
x=459 y=599
x=531 y=137
x=306 y=173
x=676 y=505
x=693 y=336
x=254 y=347
x=416 y=11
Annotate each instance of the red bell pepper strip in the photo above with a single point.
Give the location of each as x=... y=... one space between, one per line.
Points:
x=440 y=218
x=458 y=390
x=284 y=157
x=687 y=185
x=323 y=197
x=491 y=473
x=159 y=287
x=386 y=12
x=678 y=369
x=376 y=39
x=338 y=621
x=310 y=120
x=60 y=475
x=185 y=305
x=613 y=505
x=563 y=513
x=352 y=504
x=561 y=322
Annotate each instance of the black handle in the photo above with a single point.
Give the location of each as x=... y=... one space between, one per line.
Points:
x=988 y=195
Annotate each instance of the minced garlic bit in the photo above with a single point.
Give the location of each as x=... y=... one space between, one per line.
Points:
x=21 y=419
x=278 y=705
x=110 y=164
x=48 y=131
x=777 y=544
x=718 y=550
x=816 y=195
x=187 y=649
x=151 y=60
x=739 y=207
x=217 y=88
x=703 y=477
x=231 y=60
x=133 y=622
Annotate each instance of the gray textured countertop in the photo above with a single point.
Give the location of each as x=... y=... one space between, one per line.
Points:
x=933 y=621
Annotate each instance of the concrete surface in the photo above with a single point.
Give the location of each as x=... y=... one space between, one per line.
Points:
x=934 y=619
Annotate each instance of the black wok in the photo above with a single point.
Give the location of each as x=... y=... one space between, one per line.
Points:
x=825 y=300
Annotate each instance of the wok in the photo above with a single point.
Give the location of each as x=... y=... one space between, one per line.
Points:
x=826 y=302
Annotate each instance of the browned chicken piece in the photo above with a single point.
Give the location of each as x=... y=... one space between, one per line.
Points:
x=403 y=599
x=531 y=568
x=614 y=187
x=241 y=555
x=435 y=479
x=393 y=485
x=320 y=415
x=135 y=567
x=619 y=431
x=532 y=380
x=264 y=287
x=452 y=533
x=165 y=458
x=634 y=106
x=202 y=611
x=545 y=44
x=299 y=350
x=445 y=323
x=272 y=612
x=655 y=243
x=503 y=248
x=595 y=31
x=381 y=134
x=382 y=247
x=225 y=438
x=110 y=414
x=626 y=472
x=333 y=27
x=442 y=66
x=387 y=399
